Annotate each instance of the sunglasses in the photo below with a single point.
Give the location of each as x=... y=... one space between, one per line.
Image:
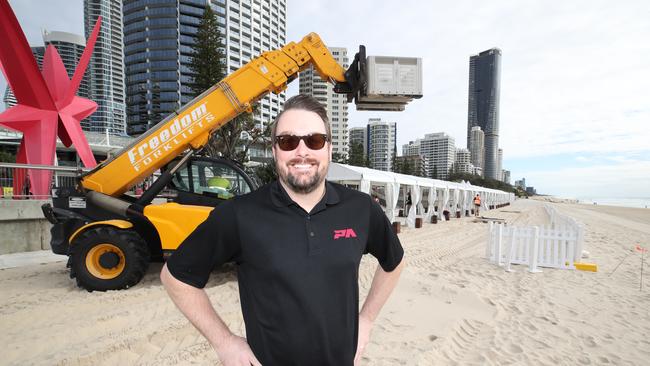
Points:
x=314 y=141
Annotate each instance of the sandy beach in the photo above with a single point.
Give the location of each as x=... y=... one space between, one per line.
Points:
x=451 y=307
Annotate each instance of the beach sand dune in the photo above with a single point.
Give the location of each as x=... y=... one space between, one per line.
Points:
x=451 y=307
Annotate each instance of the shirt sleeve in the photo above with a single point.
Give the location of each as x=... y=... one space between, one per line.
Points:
x=383 y=243
x=214 y=242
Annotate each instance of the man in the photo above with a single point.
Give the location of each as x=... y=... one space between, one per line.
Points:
x=477 y=204
x=298 y=243
x=409 y=203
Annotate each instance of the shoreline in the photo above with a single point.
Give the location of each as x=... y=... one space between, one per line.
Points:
x=631 y=202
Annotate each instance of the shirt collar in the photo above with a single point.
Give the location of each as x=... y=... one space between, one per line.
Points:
x=281 y=198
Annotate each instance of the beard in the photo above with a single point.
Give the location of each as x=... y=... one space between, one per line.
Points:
x=304 y=182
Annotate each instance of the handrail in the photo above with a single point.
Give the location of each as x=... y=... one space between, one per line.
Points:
x=43 y=167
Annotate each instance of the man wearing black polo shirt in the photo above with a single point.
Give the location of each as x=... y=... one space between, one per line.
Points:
x=298 y=243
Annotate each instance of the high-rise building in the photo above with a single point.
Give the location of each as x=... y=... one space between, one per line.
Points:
x=476 y=146
x=412 y=148
x=69 y=46
x=483 y=104
x=359 y=135
x=521 y=183
x=506 y=176
x=335 y=104
x=9 y=98
x=500 y=164
x=250 y=28
x=412 y=165
x=439 y=150
x=158 y=38
x=382 y=143
x=462 y=163
x=106 y=68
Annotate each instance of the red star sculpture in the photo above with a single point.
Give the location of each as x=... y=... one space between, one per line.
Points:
x=47 y=103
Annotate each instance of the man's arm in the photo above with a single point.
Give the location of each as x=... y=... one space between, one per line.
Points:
x=196 y=306
x=382 y=286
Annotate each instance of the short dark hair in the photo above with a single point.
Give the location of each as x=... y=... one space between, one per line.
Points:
x=306 y=103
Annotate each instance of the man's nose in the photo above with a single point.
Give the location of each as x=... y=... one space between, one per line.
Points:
x=302 y=148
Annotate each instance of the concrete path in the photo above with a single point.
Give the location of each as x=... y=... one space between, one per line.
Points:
x=29 y=258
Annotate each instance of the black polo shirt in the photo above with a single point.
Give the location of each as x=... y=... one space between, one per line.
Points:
x=297 y=271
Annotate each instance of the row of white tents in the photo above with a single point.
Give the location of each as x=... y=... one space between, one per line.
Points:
x=449 y=196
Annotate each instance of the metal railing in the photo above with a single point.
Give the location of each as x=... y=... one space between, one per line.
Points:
x=62 y=176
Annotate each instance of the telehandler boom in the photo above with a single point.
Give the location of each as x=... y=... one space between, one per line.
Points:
x=110 y=237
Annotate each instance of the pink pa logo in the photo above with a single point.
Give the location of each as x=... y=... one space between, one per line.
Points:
x=344 y=233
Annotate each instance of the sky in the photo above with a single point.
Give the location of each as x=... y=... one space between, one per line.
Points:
x=575 y=102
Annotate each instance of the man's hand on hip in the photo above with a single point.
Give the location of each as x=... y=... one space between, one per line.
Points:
x=235 y=351
x=365 y=326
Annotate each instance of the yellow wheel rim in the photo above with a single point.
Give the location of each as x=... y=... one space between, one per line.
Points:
x=96 y=269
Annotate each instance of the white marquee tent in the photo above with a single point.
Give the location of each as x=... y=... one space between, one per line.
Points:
x=449 y=196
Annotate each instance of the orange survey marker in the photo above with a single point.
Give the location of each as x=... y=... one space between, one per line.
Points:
x=640 y=249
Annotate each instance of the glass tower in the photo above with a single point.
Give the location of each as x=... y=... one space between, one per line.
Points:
x=483 y=105
x=106 y=66
x=335 y=104
x=38 y=52
x=158 y=40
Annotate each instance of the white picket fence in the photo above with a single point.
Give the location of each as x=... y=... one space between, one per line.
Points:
x=567 y=223
x=558 y=245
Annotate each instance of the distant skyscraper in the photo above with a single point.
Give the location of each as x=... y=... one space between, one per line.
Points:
x=413 y=164
x=500 y=164
x=413 y=149
x=70 y=47
x=439 y=151
x=506 y=176
x=462 y=163
x=382 y=143
x=359 y=135
x=158 y=38
x=521 y=183
x=9 y=98
x=483 y=104
x=336 y=104
x=477 y=146
x=106 y=68
x=250 y=28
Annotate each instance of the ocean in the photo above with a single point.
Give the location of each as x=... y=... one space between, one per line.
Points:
x=624 y=202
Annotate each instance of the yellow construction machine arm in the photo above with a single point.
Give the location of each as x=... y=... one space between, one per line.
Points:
x=192 y=125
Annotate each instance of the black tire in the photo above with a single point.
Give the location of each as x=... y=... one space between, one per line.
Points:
x=129 y=252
